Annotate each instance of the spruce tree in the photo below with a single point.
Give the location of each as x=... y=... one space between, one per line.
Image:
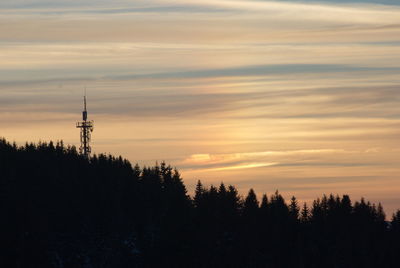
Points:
x=250 y=204
x=305 y=213
x=294 y=209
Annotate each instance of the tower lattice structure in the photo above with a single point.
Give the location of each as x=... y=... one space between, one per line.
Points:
x=86 y=127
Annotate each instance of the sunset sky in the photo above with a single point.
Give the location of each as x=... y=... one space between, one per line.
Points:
x=299 y=96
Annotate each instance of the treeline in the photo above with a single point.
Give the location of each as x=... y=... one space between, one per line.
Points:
x=60 y=210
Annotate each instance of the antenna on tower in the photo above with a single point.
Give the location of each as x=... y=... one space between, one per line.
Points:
x=86 y=129
x=84 y=99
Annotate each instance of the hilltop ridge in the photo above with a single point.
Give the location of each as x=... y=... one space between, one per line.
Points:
x=60 y=209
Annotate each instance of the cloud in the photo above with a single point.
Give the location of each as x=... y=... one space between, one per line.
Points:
x=215 y=21
x=295 y=183
x=243 y=166
x=260 y=70
x=223 y=162
x=167 y=98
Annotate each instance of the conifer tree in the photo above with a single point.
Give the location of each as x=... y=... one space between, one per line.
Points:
x=233 y=196
x=264 y=205
x=305 y=213
x=58 y=208
x=199 y=194
x=294 y=209
x=380 y=217
x=222 y=190
x=250 y=204
x=395 y=222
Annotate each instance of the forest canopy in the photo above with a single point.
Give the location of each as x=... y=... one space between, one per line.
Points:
x=60 y=209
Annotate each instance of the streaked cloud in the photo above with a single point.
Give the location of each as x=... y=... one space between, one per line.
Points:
x=243 y=166
x=226 y=158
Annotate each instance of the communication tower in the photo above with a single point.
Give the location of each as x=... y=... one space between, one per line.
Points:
x=86 y=129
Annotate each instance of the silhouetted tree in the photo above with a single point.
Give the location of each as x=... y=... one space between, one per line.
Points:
x=59 y=209
x=294 y=209
x=250 y=207
x=305 y=213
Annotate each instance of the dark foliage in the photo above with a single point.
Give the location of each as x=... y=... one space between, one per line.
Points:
x=60 y=210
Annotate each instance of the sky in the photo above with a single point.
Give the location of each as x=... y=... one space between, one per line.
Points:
x=296 y=96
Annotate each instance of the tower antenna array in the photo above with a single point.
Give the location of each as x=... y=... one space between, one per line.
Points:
x=86 y=127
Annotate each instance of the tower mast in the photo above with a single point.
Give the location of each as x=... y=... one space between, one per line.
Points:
x=86 y=129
